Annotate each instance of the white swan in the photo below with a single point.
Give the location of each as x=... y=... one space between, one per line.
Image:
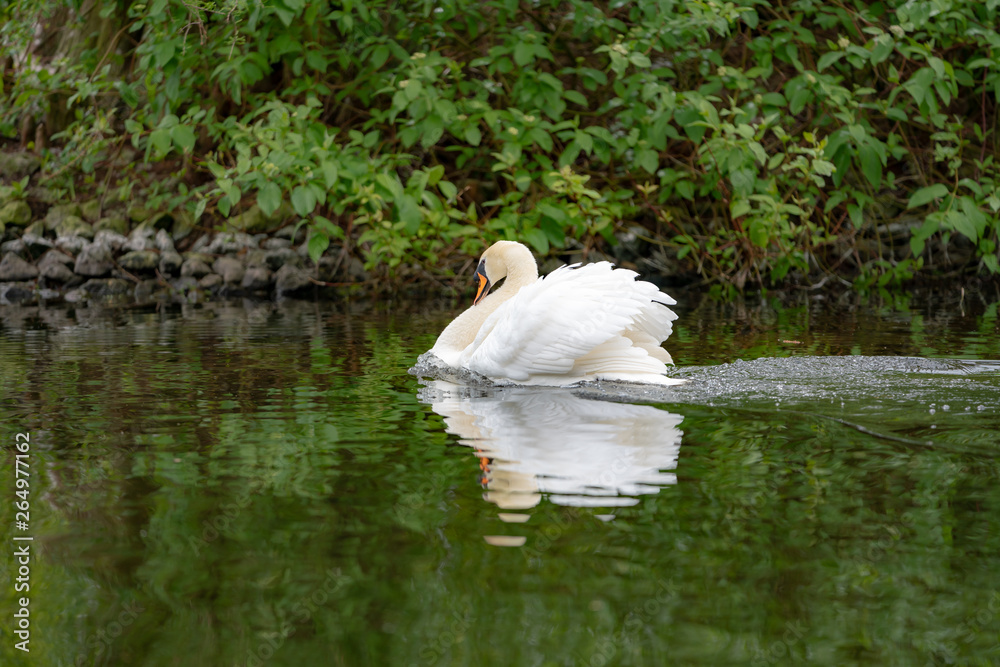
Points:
x=579 y=323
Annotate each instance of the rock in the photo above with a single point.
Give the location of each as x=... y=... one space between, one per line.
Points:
x=15 y=246
x=211 y=281
x=201 y=243
x=276 y=244
x=57 y=214
x=170 y=262
x=256 y=258
x=113 y=222
x=15 y=166
x=37 y=228
x=46 y=294
x=275 y=259
x=52 y=269
x=104 y=287
x=229 y=242
x=350 y=270
x=294 y=233
x=141 y=238
x=35 y=245
x=291 y=279
x=75 y=296
x=140 y=260
x=110 y=239
x=93 y=260
x=16 y=293
x=15 y=213
x=257 y=278
x=230 y=269
x=184 y=284
x=163 y=241
x=200 y=256
x=42 y=194
x=14 y=268
x=55 y=255
x=91 y=210
x=194 y=268
x=72 y=225
x=71 y=244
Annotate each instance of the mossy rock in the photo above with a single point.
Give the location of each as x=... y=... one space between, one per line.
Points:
x=37 y=228
x=140 y=260
x=59 y=212
x=15 y=213
x=15 y=166
x=73 y=225
x=138 y=213
x=113 y=222
x=91 y=210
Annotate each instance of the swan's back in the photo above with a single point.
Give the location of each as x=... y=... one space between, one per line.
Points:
x=578 y=323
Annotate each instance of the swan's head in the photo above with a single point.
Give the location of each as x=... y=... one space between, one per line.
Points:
x=500 y=260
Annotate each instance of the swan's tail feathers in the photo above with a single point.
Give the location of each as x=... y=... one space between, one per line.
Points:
x=620 y=355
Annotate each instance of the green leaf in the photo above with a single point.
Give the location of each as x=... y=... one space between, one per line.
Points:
x=576 y=98
x=183 y=137
x=883 y=48
x=538 y=240
x=550 y=211
x=639 y=59
x=759 y=235
x=448 y=189
x=379 y=56
x=927 y=194
x=409 y=213
x=648 y=160
x=269 y=198
x=524 y=53
x=128 y=93
x=318 y=243
x=303 y=200
x=743 y=181
x=871 y=165
x=542 y=138
x=329 y=170
x=739 y=208
x=828 y=59
x=962 y=224
x=473 y=135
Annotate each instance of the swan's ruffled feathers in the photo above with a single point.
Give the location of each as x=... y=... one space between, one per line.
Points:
x=577 y=321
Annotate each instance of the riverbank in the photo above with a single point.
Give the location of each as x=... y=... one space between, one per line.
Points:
x=109 y=252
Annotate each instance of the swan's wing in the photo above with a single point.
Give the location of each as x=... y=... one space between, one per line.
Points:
x=549 y=325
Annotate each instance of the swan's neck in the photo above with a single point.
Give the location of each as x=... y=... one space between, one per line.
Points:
x=463 y=329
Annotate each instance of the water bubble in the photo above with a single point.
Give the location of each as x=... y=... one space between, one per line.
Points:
x=932 y=411
x=980 y=408
x=946 y=407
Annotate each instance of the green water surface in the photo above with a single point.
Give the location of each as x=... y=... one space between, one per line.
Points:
x=259 y=484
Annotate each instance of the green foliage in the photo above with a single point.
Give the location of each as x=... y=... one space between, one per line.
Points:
x=762 y=141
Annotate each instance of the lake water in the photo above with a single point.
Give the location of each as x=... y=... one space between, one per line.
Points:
x=259 y=484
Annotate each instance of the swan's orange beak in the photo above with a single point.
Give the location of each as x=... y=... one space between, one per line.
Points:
x=484 y=283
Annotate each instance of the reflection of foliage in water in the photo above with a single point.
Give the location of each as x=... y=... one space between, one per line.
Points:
x=217 y=468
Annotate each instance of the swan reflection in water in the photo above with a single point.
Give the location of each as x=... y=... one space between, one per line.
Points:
x=581 y=452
